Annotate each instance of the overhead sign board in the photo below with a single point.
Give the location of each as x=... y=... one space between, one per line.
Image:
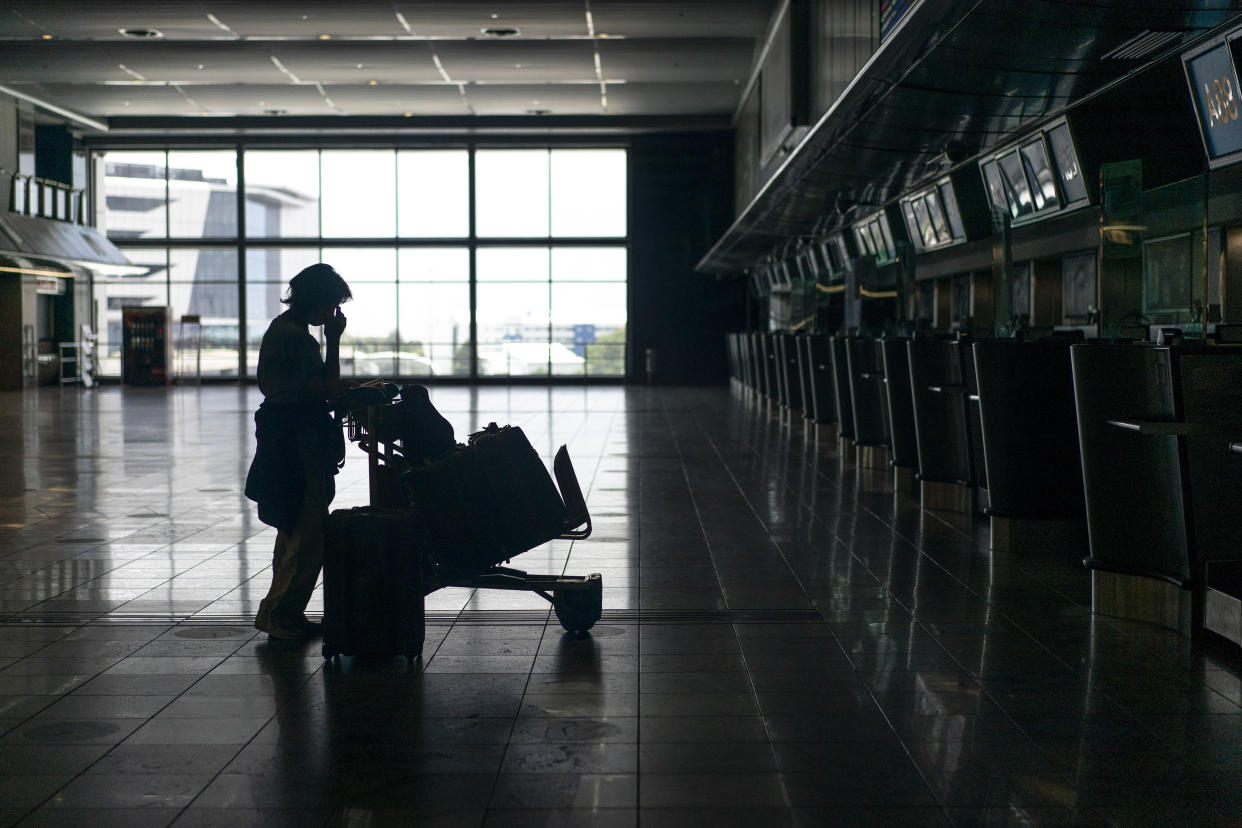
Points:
x=1214 y=88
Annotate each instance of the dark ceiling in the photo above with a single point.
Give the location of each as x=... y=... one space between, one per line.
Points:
x=961 y=75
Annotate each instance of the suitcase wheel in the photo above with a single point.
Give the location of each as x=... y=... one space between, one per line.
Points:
x=579 y=609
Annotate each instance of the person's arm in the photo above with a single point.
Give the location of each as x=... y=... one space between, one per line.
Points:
x=327 y=384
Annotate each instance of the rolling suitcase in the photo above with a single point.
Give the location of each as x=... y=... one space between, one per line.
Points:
x=486 y=503
x=528 y=509
x=372 y=583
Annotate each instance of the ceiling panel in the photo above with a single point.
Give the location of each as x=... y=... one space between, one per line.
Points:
x=310 y=20
x=339 y=62
x=671 y=98
x=87 y=20
x=60 y=63
x=686 y=59
x=518 y=61
x=650 y=18
x=468 y=19
x=675 y=58
x=124 y=100
x=557 y=99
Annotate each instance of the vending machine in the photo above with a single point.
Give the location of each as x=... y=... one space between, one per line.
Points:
x=146 y=345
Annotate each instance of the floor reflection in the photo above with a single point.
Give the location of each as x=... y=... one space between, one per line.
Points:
x=785 y=641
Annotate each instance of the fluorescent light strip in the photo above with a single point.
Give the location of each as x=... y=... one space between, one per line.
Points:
x=64 y=113
x=190 y=100
x=440 y=68
x=130 y=72
x=282 y=68
x=31 y=272
x=401 y=19
x=326 y=99
x=216 y=20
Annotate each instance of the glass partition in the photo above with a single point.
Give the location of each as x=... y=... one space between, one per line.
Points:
x=513 y=313
x=133 y=201
x=282 y=193
x=433 y=193
x=202 y=194
x=359 y=193
x=511 y=193
x=433 y=301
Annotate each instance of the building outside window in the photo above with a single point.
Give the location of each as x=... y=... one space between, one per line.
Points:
x=547 y=262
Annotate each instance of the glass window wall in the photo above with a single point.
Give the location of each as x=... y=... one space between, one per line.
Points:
x=539 y=310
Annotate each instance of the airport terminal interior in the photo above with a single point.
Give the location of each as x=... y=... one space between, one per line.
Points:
x=897 y=346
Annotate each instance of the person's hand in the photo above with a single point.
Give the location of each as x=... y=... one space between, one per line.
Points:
x=335 y=326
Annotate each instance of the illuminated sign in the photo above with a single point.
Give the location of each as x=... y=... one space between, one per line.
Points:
x=49 y=286
x=1214 y=88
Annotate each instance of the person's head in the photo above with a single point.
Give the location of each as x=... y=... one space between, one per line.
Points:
x=316 y=292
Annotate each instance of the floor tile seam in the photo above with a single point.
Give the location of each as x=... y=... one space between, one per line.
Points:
x=720 y=458
x=754 y=692
x=906 y=749
x=595 y=474
x=275 y=714
x=927 y=785
x=150 y=718
x=491 y=794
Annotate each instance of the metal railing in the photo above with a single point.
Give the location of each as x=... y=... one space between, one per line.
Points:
x=43 y=198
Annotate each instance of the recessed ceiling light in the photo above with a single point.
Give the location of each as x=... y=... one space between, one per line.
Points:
x=201 y=66
x=409 y=114
x=47 y=37
x=372 y=82
x=141 y=34
x=357 y=65
x=325 y=37
x=500 y=32
x=495 y=16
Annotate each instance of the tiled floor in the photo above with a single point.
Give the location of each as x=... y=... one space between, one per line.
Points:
x=784 y=642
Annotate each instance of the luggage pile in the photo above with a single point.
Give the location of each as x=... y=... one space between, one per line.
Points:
x=442 y=514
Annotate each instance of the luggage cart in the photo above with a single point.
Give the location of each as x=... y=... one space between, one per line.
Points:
x=577 y=600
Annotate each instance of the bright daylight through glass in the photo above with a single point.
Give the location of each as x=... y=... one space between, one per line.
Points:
x=550 y=255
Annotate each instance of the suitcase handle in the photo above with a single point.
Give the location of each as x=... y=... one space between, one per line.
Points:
x=577 y=516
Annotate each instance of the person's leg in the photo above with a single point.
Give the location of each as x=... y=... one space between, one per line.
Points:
x=284 y=568
x=307 y=536
x=298 y=557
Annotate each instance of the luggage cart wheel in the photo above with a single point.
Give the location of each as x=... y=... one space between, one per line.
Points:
x=579 y=609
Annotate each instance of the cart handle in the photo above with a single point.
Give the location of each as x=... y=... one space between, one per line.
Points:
x=576 y=512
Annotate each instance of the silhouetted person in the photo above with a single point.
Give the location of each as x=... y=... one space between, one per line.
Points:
x=299 y=445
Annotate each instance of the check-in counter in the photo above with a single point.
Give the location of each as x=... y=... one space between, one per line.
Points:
x=817 y=351
x=790 y=380
x=866 y=374
x=1133 y=483
x=941 y=387
x=902 y=441
x=805 y=368
x=1222 y=594
x=841 y=386
x=737 y=378
x=1030 y=445
x=754 y=354
x=767 y=346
